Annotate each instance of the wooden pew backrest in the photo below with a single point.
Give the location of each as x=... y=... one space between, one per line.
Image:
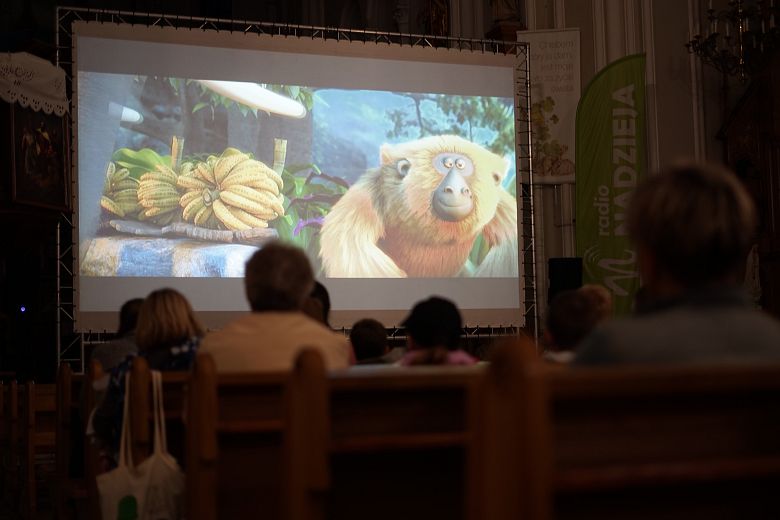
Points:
x=709 y=430
x=141 y=417
x=39 y=426
x=388 y=442
x=235 y=436
x=91 y=455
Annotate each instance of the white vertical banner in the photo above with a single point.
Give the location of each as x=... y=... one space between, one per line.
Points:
x=555 y=93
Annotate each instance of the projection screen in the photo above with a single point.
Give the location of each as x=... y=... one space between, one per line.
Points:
x=393 y=167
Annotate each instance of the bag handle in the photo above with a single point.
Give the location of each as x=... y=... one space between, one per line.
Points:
x=160 y=435
x=125 y=453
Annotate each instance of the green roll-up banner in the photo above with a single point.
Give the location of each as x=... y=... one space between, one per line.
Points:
x=610 y=139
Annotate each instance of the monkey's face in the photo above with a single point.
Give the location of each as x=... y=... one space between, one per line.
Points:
x=449 y=186
x=452 y=200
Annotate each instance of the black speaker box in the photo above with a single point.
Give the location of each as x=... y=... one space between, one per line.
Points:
x=564 y=274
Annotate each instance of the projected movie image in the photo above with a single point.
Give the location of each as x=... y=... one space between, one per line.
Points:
x=187 y=178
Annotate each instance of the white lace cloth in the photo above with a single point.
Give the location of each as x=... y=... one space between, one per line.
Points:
x=32 y=82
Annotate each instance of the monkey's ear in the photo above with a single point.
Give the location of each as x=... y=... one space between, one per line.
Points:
x=403 y=166
x=386 y=155
x=499 y=177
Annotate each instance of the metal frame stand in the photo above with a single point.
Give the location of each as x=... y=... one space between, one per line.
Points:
x=70 y=342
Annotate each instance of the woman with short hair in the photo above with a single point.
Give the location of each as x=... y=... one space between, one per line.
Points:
x=168 y=335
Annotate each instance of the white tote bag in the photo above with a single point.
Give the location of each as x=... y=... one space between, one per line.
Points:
x=154 y=489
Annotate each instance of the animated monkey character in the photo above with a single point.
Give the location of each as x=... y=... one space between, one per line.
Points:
x=419 y=213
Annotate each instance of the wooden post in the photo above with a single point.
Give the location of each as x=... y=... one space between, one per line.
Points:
x=202 y=417
x=307 y=438
x=517 y=441
x=140 y=406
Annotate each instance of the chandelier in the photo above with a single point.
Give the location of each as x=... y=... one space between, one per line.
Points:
x=739 y=39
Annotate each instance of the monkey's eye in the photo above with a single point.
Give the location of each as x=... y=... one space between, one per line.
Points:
x=448 y=162
x=460 y=164
x=403 y=166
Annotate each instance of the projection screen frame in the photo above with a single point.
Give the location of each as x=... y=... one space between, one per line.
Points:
x=69 y=338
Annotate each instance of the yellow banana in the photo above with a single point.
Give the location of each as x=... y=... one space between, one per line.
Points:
x=170 y=175
x=192 y=209
x=206 y=173
x=129 y=207
x=130 y=193
x=117 y=175
x=167 y=203
x=152 y=183
x=158 y=176
x=237 y=201
x=111 y=206
x=253 y=179
x=227 y=218
x=275 y=177
x=190 y=183
x=266 y=200
x=226 y=164
x=159 y=194
x=155 y=211
x=203 y=215
x=251 y=169
x=126 y=184
x=247 y=218
x=231 y=151
x=189 y=197
x=256 y=195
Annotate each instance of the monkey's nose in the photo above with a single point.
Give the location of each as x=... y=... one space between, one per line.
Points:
x=466 y=191
x=448 y=189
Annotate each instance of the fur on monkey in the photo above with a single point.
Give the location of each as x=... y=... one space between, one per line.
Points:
x=419 y=213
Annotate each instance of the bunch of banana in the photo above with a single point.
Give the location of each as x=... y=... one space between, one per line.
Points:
x=158 y=196
x=232 y=192
x=120 y=192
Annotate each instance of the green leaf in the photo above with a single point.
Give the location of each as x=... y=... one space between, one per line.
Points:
x=199 y=106
x=299 y=183
x=141 y=161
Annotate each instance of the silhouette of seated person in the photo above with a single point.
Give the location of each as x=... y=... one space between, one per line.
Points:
x=168 y=336
x=111 y=353
x=369 y=342
x=692 y=227
x=571 y=317
x=278 y=281
x=433 y=331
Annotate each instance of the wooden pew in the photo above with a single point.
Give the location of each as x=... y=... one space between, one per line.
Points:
x=4 y=436
x=235 y=437
x=39 y=409
x=141 y=412
x=652 y=442
x=384 y=442
x=10 y=444
x=70 y=433
x=91 y=455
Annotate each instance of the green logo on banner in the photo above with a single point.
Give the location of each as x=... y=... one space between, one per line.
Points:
x=610 y=163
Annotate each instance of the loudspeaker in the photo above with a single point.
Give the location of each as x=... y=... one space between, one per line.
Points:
x=564 y=274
